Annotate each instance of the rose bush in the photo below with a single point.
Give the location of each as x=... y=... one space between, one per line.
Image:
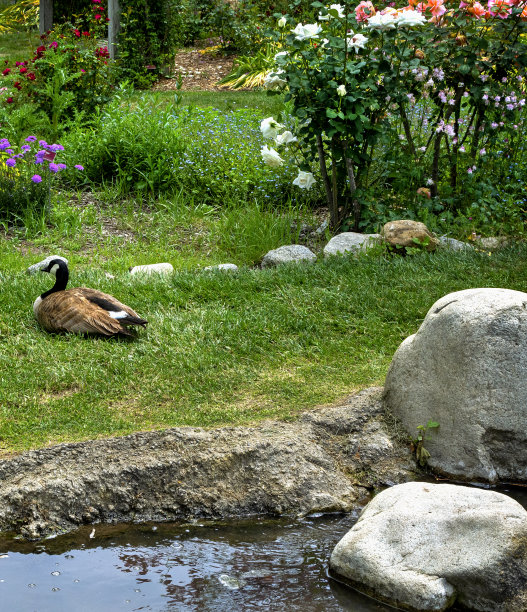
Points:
x=425 y=92
x=69 y=72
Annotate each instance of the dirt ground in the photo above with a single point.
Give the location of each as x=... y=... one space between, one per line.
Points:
x=200 y=71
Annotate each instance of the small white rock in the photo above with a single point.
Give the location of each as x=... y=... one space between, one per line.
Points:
x=225 y=267
x=159 y=268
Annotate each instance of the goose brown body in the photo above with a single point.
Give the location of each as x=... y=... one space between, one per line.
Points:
x=82 y=310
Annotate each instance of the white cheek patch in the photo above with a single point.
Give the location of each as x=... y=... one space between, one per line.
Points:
x=54 y=269
x=121 y=314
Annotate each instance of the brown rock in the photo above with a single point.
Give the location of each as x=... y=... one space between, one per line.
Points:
x=407 y=233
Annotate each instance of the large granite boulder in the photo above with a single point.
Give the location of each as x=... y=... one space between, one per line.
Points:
x=350 y=243
x=423 y=546
x=466 y=368
x=290 y=253
x=408 y=233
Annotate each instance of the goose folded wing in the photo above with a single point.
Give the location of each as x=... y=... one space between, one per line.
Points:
x=68 y=311
x=110 y=305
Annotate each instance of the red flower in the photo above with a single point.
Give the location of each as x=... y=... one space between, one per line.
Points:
x=54 y=45
x=41 y=49
x=85 y=33
x=6 y=71
x=9 y=100
x=77 y=33
x=17 y=85
x=98 y=17
x=23 y=70
x=31 y=76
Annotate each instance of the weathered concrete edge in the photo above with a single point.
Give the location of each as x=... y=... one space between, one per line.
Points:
x=324 y=462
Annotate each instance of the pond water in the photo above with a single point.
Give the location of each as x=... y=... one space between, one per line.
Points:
x=262 y=564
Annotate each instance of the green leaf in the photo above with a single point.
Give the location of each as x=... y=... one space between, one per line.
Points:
x=331 y=113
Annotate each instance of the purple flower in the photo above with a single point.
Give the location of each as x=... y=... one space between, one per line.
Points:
x=10 y=162
x=36 y=178
x=56 y=147
x=79 y=167
x=31 y=139
x=4 y=144
x=42 y=143
x=25 y=148
x=53 y=167
x=62 y=166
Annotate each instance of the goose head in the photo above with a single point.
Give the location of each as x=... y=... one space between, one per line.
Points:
x=59 y=269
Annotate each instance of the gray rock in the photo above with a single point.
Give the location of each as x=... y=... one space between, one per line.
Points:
x=422 y=546
x=186 y=473
x=292 y=253
x=159 y=268
x=226 y=267
x=42 y=264
x=455 y=245
x=321 y=228
x=492 y=243
x=350 y=242
x=466 y=368
x=405 y=233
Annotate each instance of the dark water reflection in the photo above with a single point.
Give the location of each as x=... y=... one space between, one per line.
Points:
x=275 y=565
x=271 y=565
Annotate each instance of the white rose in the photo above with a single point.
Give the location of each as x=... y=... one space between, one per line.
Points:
x=310 y=30
x=336 y=7
x=381 y=22
x=341 y=90
x=304 y=180
x=285 y=138
x=271 y=157
x=281 y=54
x=282 y=22
x=274 y=81
x=410 y=18
x=356 y=41
x=269 y=128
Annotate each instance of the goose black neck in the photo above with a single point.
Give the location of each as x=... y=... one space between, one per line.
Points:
x=61 y=279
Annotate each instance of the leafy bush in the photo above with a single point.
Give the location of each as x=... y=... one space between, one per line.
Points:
x=68 y=74
x=358 y=95
x=213 y=157
x=147 y=39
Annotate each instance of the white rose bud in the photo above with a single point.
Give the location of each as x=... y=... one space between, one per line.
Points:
x=282 y=22
x=341 y=90
x=271 y=157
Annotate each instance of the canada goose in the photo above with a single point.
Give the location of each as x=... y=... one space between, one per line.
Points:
x=81 y=310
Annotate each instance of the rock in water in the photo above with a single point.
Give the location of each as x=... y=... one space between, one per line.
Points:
x=424 y=546
x=466 y=368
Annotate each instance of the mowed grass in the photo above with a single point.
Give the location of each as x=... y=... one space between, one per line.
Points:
x=220 y=348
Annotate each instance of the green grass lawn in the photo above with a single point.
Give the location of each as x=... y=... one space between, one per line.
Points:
x=219 y=348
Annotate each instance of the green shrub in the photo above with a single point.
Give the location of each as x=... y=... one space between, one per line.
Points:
x=213 y=157
x=147 y=39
